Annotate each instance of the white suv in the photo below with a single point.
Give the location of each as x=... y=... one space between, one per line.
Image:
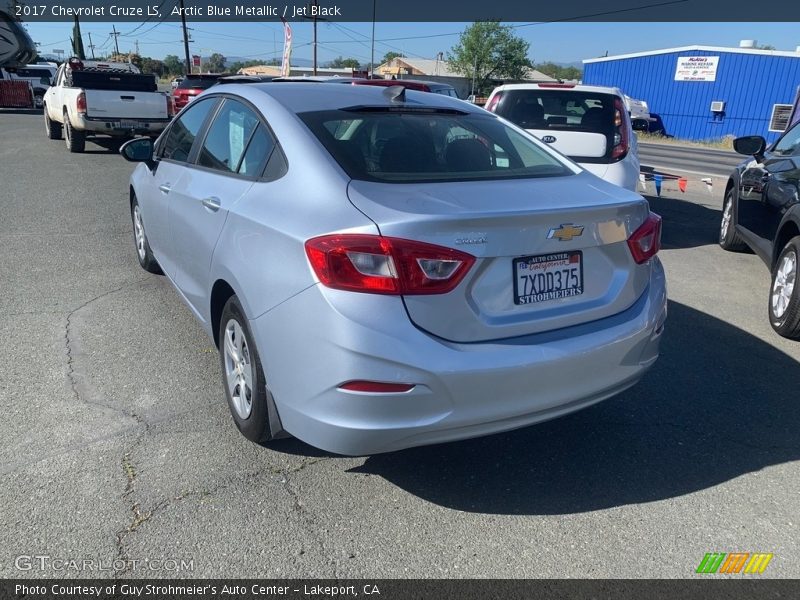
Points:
x=590 y=124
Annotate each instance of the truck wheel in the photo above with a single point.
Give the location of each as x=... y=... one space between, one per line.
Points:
x=52 y=128
x=76 y=140
x=38 y=100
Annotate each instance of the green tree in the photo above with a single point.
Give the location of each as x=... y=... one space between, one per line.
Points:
x=77 y=40
x=389 y=56
x=341 y=63
x=487 y=51
x=215 y=63
x=766 y=47
x=559 y=72
x=152 y=65
x=174 y=65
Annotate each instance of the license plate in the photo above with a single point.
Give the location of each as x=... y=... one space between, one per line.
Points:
x=128 y=124
x=548 y=277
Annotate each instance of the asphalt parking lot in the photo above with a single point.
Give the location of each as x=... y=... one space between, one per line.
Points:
x=118 y=444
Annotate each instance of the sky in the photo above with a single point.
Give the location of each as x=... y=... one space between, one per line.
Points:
x=557 y=42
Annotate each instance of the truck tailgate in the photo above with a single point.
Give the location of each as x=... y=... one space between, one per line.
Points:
x=108 y=104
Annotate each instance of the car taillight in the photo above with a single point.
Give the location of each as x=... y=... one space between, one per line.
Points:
x=80 y=103
x=491 y=105
x=621 y=141
x=557 y=85
x=645 y=242
x=170 y=106
x=385 y=265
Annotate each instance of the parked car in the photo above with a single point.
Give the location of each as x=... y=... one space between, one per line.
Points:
x=175 y=82
x=39 y=76
x=433 y=87
x=590 y=124
x=761 y=211
x=101 y=98
x=380 y=271
x=192 y=86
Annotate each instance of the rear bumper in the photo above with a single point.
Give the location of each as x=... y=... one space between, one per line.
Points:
x=624 y=173
x=321 y=338
x=114 y=126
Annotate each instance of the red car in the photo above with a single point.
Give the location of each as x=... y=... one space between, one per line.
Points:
x=412 y=84
x=193 y=85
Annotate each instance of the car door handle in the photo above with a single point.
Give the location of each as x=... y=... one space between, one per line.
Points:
x=212 y=203
x=165 y=187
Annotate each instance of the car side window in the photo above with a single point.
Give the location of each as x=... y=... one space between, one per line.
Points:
x=182 y=133
x=257 y=154
x=228 y=136
x=789 y=144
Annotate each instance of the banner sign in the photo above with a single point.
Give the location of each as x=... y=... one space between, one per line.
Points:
x=696 y=68
x=287 y=49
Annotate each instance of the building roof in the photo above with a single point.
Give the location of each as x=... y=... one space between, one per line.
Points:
x=758 y=51
x=437 y=68
x=418 y=66
x=276 y=70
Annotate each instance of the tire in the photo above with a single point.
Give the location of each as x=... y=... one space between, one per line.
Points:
x=76 y=140
x=249 y=400
x=52 y=128
x=784 y=293
x=729 y=239
x=38 y=100
x=143 y=252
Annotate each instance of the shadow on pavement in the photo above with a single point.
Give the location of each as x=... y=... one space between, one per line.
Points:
x=718 y=404
x=685 y=224
x=104 y=145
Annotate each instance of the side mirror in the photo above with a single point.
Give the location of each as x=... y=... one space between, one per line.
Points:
x=750 y=145
x=137 y=150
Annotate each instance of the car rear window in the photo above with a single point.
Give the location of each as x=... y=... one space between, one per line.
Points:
x=558 y=109
x=413 y=146
x=202 y=83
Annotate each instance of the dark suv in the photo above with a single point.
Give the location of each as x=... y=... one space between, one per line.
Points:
x=761 y=211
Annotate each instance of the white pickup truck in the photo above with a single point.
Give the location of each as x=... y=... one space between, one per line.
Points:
x=97 y=98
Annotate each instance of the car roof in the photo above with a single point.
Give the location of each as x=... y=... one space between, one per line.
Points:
x=564 y=87
x=299 y=97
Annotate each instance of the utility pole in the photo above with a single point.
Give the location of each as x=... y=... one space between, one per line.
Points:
x=185 y=39
x=315 y=36
x=372 y=56
x=136 y=47
x=91 y=45
x=116 y=36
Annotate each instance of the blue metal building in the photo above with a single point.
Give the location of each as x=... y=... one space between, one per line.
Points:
x=705 y=92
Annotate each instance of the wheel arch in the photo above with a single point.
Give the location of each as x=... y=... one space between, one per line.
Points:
x=788 y=229
x=221 y=292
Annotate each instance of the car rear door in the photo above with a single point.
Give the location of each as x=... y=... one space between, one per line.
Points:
x=225 y=168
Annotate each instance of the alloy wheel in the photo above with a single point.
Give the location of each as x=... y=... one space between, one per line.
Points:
x=238 y=368
x=783 y=285
x=138 y=232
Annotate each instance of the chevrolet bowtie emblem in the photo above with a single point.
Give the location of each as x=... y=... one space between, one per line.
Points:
x=565 y=232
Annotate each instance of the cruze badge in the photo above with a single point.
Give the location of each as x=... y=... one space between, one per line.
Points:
x=548 y=139
x=565 y=232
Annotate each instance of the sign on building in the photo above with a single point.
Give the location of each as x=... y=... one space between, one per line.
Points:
x=696 y=68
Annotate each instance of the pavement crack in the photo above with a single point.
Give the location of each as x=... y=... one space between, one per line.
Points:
x=75 y=378
x=307 y=519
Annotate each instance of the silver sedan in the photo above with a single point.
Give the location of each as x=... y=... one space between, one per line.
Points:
x=384 y=268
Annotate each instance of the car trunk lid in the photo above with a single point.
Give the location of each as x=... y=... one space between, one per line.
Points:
x=521 y=232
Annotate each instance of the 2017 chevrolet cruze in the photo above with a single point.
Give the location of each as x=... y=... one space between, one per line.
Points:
x=384 y=268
